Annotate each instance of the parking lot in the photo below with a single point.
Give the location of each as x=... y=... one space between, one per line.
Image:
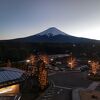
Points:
x=71 y=79
x=64 y=82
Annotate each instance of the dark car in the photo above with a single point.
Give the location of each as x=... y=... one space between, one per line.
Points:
x=84 y=68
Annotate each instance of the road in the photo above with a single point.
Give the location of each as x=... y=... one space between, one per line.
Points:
x=64 y=83
x=70 y=79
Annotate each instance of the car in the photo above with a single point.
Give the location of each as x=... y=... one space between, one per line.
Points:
x=84 y=68
x=56 y=69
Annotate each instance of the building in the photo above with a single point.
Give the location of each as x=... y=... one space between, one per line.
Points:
x=10 y=82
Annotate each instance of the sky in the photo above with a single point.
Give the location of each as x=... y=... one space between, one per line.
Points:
x=22 y=18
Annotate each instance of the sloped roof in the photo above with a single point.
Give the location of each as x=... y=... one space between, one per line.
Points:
x=10 y=76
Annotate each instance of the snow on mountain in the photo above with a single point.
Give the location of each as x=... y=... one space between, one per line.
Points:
x=52 y=35
x=52 y=32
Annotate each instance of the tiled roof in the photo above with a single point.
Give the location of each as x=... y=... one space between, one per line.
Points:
x=11 y=75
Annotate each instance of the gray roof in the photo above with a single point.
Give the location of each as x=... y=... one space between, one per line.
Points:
x=11 y=75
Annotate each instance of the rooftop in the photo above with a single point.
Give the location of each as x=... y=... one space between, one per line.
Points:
x=10 y=76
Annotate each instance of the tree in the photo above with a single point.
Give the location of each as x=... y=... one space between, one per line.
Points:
x=71 y=62
x=9 y=63
x=94 y=66
x=45 y=58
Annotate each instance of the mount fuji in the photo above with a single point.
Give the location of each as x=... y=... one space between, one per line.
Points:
x=52 y=32
x=52 y=35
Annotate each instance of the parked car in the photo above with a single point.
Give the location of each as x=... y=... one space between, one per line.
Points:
x=84 y=68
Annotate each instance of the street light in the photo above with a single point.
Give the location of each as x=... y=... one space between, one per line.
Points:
x=27 y=61
x=89 y=61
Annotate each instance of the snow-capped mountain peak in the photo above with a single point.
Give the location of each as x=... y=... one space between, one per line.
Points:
x=52 y=32
x=52 y=35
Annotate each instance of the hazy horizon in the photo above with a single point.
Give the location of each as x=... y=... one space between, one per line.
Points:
x=45 y=30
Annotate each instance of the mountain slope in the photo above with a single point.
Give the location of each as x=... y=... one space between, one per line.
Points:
x=52 y=35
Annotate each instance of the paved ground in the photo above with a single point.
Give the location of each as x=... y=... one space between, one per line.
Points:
x=93 y=85
x=64 y=83
x=71 y=79
x=56 y=93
